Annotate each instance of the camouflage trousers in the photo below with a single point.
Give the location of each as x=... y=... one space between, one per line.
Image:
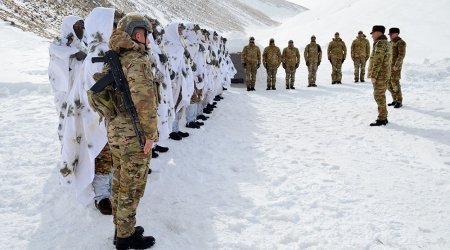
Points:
x=312 y=73
x=103 y=162
x=360 y=68
x=129 y=174
x=379 y=94
x=336 y=73
x=271 y=76
x=290 y=75
x=250 y=75
x=394 y=86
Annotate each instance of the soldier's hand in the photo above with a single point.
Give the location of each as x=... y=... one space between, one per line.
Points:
x=284 y=65
x=296 y=66
x=259 y=65
x=373 y=80
x=80 y=55
x=307 y=64
x=343 y=60
x=318 y=63
x=148 y=146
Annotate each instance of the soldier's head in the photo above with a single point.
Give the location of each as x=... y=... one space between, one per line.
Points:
x=336 y=35
x=291 y=43
x=251 y=41
x=377 y=32
x=360 y=34
x=78 y=27
x=181 y=28
x=313 y=38
x=137 y=27
x=271 y=41
x=393 y=32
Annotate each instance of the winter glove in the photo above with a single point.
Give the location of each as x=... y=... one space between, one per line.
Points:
x=343 y=60
x=284 y=65
x=162 y=58
x=296 y=66
x=187 y=54
x=265 y=65
x=244 y=64
x=258 y=65
x=307 y=64
x=318 y=63
x=80 y=55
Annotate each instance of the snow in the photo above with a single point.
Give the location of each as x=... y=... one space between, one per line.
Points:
x=277 y=169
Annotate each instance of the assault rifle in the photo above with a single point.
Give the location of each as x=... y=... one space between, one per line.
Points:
x=117 y=79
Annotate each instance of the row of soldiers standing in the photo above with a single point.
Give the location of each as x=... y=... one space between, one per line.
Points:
x=170 y=71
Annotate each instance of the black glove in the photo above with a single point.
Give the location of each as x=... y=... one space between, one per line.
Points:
x=343 y=60
x=296 y=66
x=162 y=58
x=187 y=54
x=307 y=64
x=80 y=55
x=265 y=65
x=258 y=65
x=244 y=65
x=284 y=65
x=318 y=63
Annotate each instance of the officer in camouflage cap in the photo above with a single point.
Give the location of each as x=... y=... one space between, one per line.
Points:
x=398 y=54
x=360 y=52
x=291 y=61
x=380 y=71
x=130 y=161
x=337 y=51
x=251 y=60
x=313 y=57
x=271 y=61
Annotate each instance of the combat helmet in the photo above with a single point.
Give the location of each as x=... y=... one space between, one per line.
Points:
x=132 y=21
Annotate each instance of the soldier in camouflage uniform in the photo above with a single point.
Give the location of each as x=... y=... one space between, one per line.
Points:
x=313 y=57
x=398 y=54
x=271 y=61
x=360 y=52
x=130 y=161
x=380 y=71
x=291 y=61
x=251 y=60
x=337 y=51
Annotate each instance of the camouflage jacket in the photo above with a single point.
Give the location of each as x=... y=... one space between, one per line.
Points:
x=251 y=55
x=313 y=53
x=290 y=56
x=380 y=60
x=272 y=56
x=337 y=49
x=137 y=70
x=398 y=52
x=360 y=48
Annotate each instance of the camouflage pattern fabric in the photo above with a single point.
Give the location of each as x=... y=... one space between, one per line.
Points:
x=380 y=70
x=398 y=54
x=360 y=52
x=312 y=73
x=313 y=57
x=271 y=76
x=337 y=52
x=130 y=164
x=250 y=75
x=103 y=162
x=271 y=56
x=251 y=57
x=291 y=58
x=290 y=76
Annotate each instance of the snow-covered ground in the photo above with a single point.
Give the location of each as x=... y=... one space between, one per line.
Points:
x=277 y=169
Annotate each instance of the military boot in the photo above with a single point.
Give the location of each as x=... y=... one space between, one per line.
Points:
x=138 y=229
x=333 y=82
x=287 y=87
x=356 y=80
x=273 y=88
x=192 y=125
x=175 y=136
x=183 y=134
x=135 y=241
x=154 y=154
x=362 y=80
x=199 y=123
x=161 y=149
x=202 y=117
x=392 y=103
x=104 y=206
x=379 y=123
x=292 y=87
x=310 y=85
x=249 y=89
x=268 y=88
x=398 y=105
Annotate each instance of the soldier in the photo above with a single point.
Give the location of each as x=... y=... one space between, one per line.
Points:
x=337 y=51
x=271 y=61
x=360 y=52
x=130 y=161
x=398 y=54
x=291 y=61
x=251 y=60
x=380 y=71
x=313 y=57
